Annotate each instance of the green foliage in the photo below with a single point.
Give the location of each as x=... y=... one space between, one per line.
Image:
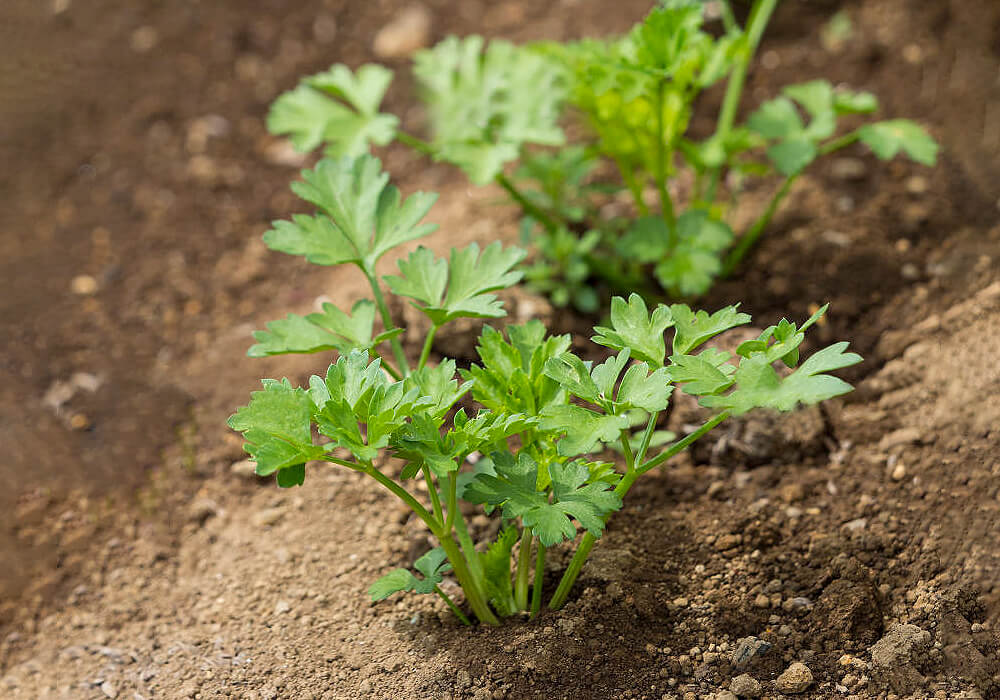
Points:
x=460 y=286
x=330 y=330
x=539 y=411
x=338 y=108
x=433 y=565
x=485 y=104
x=548 y=514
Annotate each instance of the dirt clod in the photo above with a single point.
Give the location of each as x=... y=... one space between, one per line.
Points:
x=795 y=679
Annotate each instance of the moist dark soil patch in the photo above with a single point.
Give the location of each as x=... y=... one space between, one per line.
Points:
x=860 y=539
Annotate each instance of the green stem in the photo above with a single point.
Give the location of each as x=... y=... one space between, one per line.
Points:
x=759 y=17
x=529 y=207
x=587 y=543
x=473 y=593
x=838 y=143
x=523 y=564
x=451 y=604
x=392 y=371
x=415 y=143
x=728 y=20
x=536 y=591
x=749 y=239
x=383 y=309
x=681 y=445
x=625 y=438
x=449 y=523
x=469 y=549
x=343 y=463
x=433 y=525
x=425 y=353
x=435 y=498
x=647 y=436
x=666 y=203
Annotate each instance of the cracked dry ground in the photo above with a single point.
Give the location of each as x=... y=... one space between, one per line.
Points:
x=860 y=540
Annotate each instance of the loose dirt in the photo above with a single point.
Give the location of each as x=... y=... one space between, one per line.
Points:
x=860 y=539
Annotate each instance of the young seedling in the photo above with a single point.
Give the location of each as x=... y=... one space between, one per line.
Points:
x=541 y=416
x=490 y=104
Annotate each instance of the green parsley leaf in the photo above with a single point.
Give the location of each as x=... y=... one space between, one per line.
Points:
x=468 y=277
x=693 y=329
x=277 y=427
x=640 y=389
x=354 y=393
x=484 y=105
x=708 y=372
x=691 y=267
x=514 y=487
x=496 y=568
x=634 y=328
x=511 y=378
x=888 y=138
x=365 y=216
x=337 y=107
x=437 y=387
x=330 y=330
x=759 y=386
x=433 y=565
x=583 y=429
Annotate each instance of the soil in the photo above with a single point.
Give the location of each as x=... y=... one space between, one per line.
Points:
x=860 y=539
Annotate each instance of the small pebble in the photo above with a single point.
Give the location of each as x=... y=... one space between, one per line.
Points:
x=795 y=679
x=84 y=285
x=745 y=686
x=899 y=472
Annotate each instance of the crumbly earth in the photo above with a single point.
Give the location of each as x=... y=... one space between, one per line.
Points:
x=847 y=551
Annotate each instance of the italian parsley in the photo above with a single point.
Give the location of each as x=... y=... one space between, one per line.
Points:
x=521 y=430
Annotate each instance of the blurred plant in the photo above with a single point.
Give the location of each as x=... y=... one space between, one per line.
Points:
x=492 y=103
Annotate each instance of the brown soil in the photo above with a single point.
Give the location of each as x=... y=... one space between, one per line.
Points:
x=139 y=564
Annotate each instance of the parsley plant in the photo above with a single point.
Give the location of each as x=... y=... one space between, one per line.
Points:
x=522 y=430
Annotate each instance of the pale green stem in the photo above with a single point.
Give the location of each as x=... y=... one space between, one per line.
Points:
x=666 y=203
x=759 y=17
x=428 y=342
x=529 y=207
x=415 y=143
x=451 y=604
x=433 y=525
x=647 y=435
x=473 y=593
x=523 y=564
x=749 y=239
x=536 y=591
x=435 y=498
x=383 y=309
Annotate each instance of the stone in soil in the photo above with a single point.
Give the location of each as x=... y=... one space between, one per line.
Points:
x=795 y=679
x=745 y=686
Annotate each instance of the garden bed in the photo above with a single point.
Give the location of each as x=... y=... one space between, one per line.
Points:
x=144 y=558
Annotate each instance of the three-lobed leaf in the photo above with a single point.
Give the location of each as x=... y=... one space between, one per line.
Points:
x=363 y=217
x=514 y=486
x=277 y=427
x=461 y=286
x=336 y=107
x=331 y=329
x=433 y=566
x=633 y=327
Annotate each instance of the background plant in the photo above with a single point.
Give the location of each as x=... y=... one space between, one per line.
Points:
x=539 y=414
x=492 y=103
